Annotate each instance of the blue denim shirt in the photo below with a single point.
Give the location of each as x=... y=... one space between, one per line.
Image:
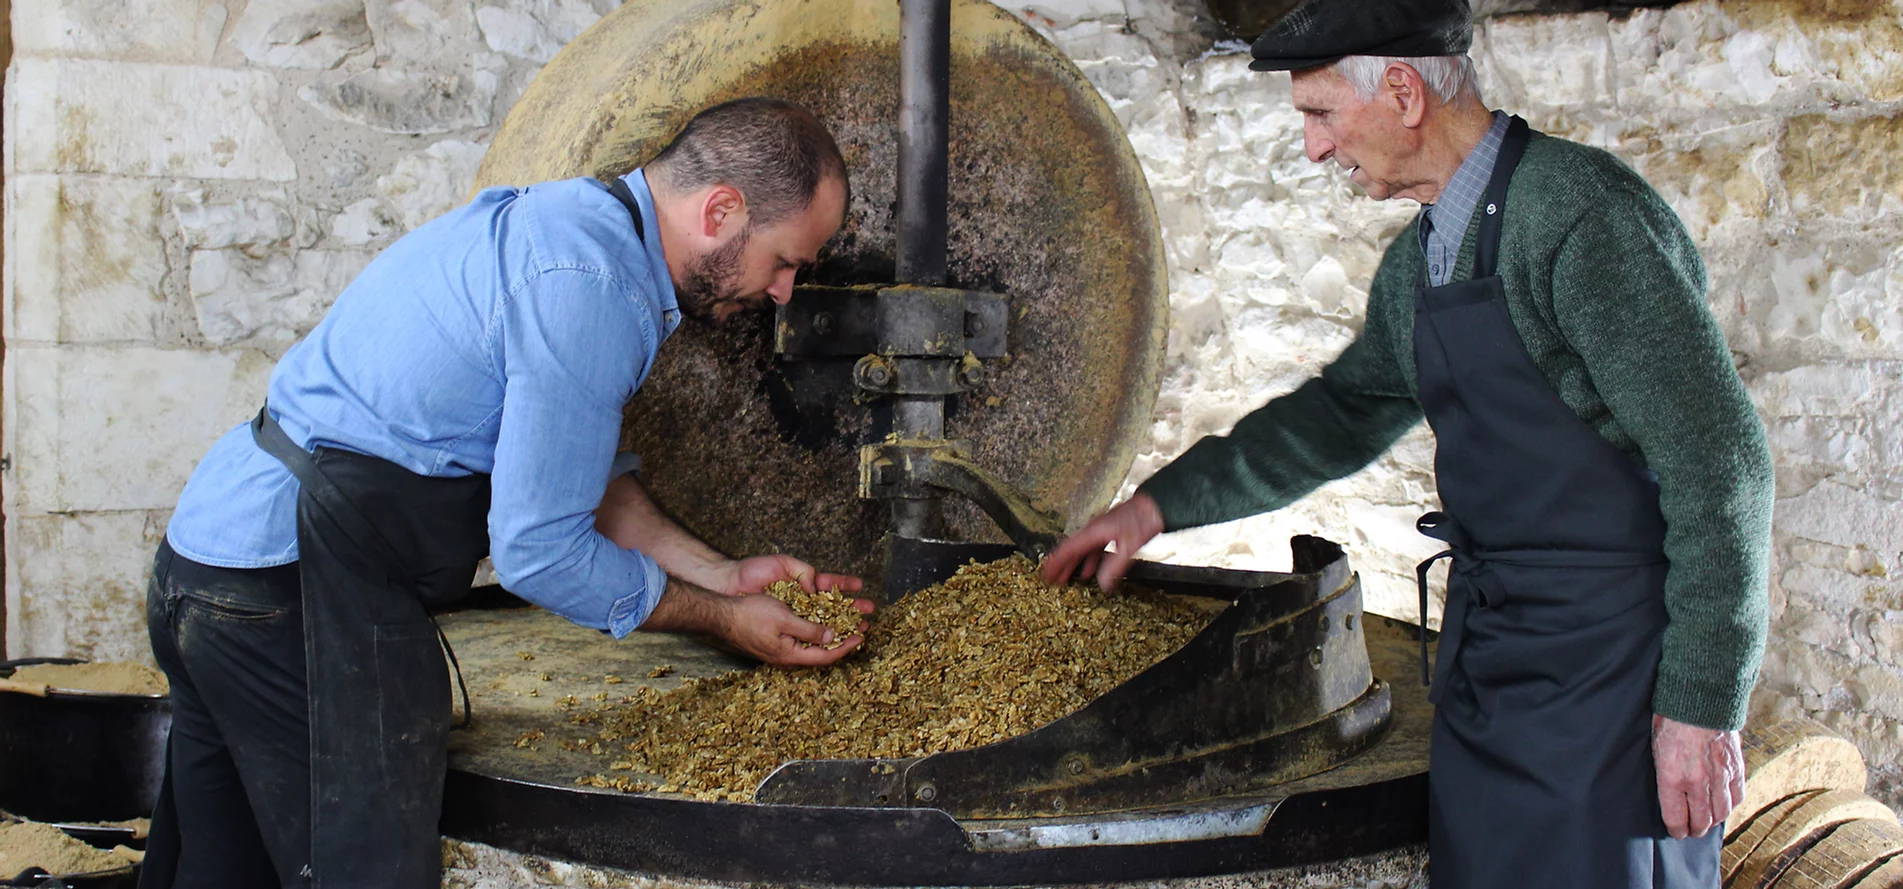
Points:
x=502 y=338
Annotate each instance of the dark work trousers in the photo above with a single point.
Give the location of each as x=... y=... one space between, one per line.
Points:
x=1540 y=771
x=344 y=787
x=235 y=806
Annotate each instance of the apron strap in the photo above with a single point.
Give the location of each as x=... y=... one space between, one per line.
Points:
x=273 y=440
x=1478 y=588
x=1493 y=204
x=1420 y=579
x=619 y=188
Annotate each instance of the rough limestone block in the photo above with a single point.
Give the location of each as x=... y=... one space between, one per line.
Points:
x=424 y=186
x=143 y=120
x=1710 y=177
x=1822 y=297
x=458 y=94
x=1848 y=168
x=86 y=258
x=1859 y=43
x=90 y=432
x=81 y=584
x=1831 y=415
x=255 y=220
x=1835 y=513
x=536 y=31
x=1064 y=13
x=30 y=429
x=1278 y=350
x=1879 y=634
x=271 y=300
x=310 y=34
x=409 y=31
x=362 y=223
x=1544 y=61
x=1878 y=690
x=1833 y=593
x=1819 y=678
x=1094 y=42
x=1696 y=59
x=184 y=31
x=1829 y=389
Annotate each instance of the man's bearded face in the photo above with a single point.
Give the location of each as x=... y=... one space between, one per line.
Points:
x=711 y=288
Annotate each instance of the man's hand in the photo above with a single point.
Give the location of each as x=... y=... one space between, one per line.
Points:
x=1701 y=775
x=1129 y=525
x=759 y=626
x=752 y=575
x=763 y=627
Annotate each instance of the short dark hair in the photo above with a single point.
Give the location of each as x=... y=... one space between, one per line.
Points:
x=774 y=152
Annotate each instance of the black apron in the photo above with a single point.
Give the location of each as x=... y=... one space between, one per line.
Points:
x=1541 y=769
x=378 y=546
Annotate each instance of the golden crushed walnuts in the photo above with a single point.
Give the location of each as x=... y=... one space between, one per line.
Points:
x=990 y=654
x=828 y=608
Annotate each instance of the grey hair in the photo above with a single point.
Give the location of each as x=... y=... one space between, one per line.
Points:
x=1450 y=77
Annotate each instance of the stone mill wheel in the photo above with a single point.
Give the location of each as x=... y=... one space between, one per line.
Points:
x=1047 y=206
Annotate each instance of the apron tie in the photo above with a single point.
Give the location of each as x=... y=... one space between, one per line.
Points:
x=457 y=667
x=272 y=439
x=1479 y=585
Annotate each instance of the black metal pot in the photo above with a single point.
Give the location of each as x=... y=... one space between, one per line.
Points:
x=118 y=878
x=79 y=755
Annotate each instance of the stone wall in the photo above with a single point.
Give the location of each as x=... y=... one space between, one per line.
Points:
x=190 y=182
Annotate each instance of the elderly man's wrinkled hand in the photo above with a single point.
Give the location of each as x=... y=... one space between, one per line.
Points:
x=1129 y=525
x=1701 y=775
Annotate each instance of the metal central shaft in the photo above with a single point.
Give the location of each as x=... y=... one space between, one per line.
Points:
x=924 y=110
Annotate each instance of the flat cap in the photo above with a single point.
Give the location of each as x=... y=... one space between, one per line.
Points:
x=1321 y=31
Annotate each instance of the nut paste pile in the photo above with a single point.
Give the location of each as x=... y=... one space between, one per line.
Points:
x=27 y=844
x=990 y=654
x=111 y=677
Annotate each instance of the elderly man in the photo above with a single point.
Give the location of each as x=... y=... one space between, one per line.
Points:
x=1606 y=483
x=463 y=396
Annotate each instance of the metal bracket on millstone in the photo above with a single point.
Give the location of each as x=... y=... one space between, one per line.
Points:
x=909 y=340
x=908 y=469
x=925 y=322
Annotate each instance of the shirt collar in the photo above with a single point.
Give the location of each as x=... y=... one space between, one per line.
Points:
x=657 y=259
x=1455 y=208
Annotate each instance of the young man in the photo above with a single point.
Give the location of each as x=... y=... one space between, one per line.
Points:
x=1606 y=482
x=462 y=397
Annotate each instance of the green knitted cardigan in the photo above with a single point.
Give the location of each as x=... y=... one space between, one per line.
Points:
x=1607 y=292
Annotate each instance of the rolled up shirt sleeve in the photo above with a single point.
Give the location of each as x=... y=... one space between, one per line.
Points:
x=574 y=348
